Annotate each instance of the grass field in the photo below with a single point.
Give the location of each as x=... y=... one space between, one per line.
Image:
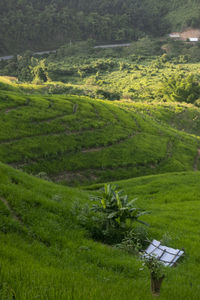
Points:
x=45 y=255
x=78 y=140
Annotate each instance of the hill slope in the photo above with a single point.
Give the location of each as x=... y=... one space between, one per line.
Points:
x=45 y=254
x=80 y=140
x=43 y=25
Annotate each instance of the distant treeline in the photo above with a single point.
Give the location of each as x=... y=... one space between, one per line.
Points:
x=46 y=24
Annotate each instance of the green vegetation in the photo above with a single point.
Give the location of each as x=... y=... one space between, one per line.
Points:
x=42 y=25
x=157 y=272
x=111 y=218
x=140 y=72
x=45 y=254
x=119 y=212
x=181 y=88
x=81 y=140
x=84 y=116
x=125 y=75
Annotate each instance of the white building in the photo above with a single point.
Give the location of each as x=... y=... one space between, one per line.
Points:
x=193 y=39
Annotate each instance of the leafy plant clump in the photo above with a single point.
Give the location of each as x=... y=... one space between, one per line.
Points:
x=157 y=273
x=181 y=88
x=155 y=267
x=111 y=216
x=134 y=241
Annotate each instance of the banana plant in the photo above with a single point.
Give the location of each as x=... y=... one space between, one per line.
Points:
x=118 y=210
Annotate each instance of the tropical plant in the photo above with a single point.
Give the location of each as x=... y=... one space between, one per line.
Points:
x=117 y=209
x=111 y=217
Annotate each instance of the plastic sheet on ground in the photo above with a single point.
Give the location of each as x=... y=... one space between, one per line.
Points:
x=167 y=256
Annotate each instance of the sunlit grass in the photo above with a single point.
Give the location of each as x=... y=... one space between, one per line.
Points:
x=76 y=139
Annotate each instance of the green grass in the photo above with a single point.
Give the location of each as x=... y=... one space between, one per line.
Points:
x=82 y=141
x=78 y=140
x=46 y=255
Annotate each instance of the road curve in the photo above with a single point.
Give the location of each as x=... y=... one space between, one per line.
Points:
x=113 y=46
x=7 y=57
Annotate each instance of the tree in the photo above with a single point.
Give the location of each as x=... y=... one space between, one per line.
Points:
x=39 y=71
x=181 y=87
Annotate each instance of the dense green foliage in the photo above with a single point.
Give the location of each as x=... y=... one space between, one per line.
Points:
x=118 y=210
x=139 y=72
x=181 y=88
x=111 y=217
x=31 y=24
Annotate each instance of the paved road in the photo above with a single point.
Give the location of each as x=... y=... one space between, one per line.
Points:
x=7 y=57
x=113 y=46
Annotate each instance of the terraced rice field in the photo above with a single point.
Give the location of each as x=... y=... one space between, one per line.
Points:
x=81 y=140
x=44 y=252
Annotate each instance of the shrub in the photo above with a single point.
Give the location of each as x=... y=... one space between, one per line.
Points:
x=155 y=267
x=181 y=88
x=157 y=273
x=111 y=216
x=134 y=241
x=116 y=207
x=108 y=95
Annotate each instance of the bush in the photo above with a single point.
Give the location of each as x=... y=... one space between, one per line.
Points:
x=108 y=95
x=110 y=217
x=181 y=88
x=134 y=241
x=155 y=267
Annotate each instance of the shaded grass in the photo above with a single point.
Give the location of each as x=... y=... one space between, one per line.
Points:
x=49 y=257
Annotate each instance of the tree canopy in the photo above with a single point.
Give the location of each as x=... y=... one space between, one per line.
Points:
x=47 y=24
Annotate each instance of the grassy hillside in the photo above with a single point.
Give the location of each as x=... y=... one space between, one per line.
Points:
x=182 y=116
x=45 y=255
x=81 y=140
x=78 y=140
